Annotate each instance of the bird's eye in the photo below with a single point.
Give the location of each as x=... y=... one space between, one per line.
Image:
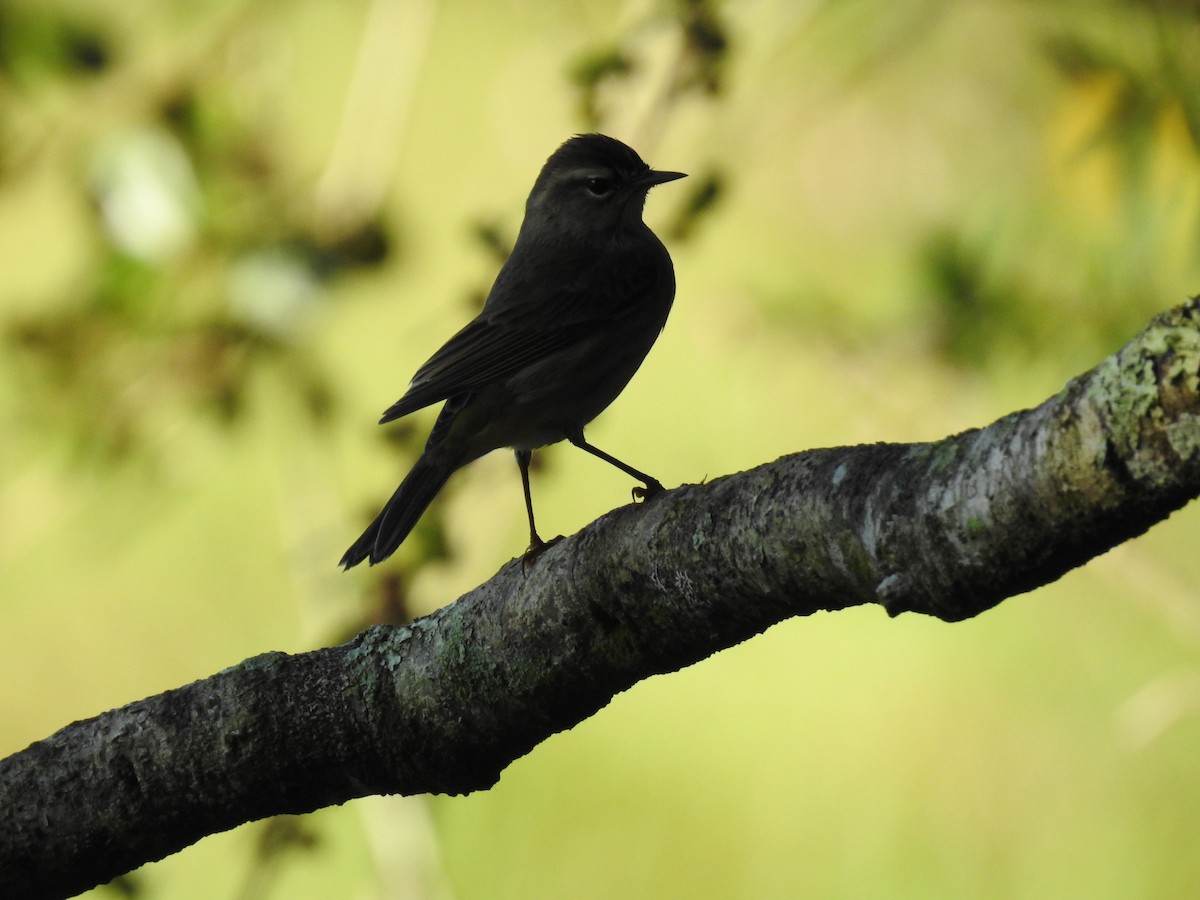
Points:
x=599 y=186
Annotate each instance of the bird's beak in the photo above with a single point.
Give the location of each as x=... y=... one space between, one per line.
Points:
x=651 y=178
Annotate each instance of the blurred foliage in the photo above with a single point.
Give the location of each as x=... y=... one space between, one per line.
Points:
x=205 y=270
x=38 y=42
x=277 y=837
x=974 y=306
x=698 y=66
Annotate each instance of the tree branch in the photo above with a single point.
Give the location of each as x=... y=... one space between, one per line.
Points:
x=948 y=529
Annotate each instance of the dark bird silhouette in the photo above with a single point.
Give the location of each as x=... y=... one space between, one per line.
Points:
x=571 y=316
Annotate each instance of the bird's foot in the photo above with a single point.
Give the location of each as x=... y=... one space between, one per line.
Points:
x=652 y=489
x=536 y=548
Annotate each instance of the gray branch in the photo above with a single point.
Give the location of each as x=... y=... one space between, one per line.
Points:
x=948 y=529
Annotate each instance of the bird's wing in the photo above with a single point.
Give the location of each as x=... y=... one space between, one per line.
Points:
x=522 y=324
x=483 y=352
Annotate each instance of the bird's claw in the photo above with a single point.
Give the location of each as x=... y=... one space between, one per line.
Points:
x=536 y=548
x=653 y=488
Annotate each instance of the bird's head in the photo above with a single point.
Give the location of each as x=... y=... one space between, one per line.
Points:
x=591 y=185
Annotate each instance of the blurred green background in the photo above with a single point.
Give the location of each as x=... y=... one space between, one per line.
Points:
x=230 y=231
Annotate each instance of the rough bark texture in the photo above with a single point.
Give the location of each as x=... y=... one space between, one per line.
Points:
x=947 y=528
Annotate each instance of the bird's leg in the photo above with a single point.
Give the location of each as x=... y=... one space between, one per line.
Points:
x=523 y=458
x=653 y=485
x=536 y=544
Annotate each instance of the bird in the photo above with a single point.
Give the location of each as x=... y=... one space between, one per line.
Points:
x=569 y=319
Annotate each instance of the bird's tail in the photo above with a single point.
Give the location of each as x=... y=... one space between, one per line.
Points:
x=399 y=515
